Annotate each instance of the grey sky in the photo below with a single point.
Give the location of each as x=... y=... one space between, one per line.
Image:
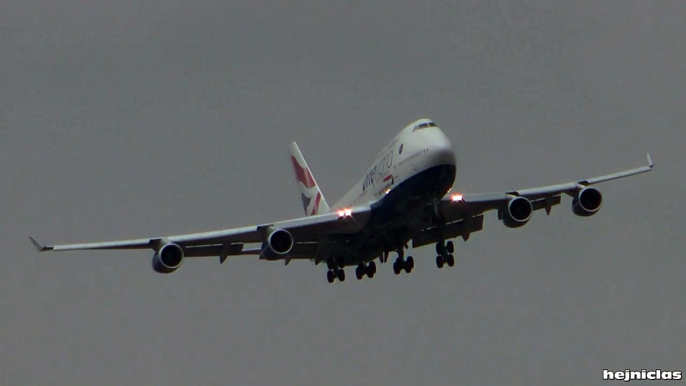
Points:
x=134 y=119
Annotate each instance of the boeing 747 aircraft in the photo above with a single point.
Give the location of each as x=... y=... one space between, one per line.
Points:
x=405 y=197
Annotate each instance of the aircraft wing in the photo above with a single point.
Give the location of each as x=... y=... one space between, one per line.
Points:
x=464 y=213
x=306 y=231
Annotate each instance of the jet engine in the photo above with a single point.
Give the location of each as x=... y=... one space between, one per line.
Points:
x=168 y=259
x=278 y=243
x=587 y=202
x=518 y=212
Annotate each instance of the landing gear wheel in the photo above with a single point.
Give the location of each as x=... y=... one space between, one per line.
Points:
x=329 y=276
x=439 y=249
x=450 y=247
x=440 y=261
x=330 y=264
x=396 y=267
x=410 y=263
x=359 y=272
x=371 y=269
x=340 y=274
x=450 y=259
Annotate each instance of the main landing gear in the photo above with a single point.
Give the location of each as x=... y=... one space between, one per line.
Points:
x=335 y=271
x=445 y=254
x=332 y=275
x=401 y=264
x=362 y=270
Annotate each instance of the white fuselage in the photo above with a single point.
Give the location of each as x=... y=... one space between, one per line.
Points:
x=417 y=148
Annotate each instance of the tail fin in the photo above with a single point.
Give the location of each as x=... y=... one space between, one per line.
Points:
x=312 y=197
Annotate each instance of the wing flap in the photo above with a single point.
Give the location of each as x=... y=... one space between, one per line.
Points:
x=299 y=249
x=546 y=203
x=462 y=228
x=213 y=250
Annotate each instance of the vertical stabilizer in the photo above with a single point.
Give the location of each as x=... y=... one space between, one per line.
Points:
x=312 y=197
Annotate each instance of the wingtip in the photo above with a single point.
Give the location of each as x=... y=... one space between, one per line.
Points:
x=39 y=248
x=650 y=161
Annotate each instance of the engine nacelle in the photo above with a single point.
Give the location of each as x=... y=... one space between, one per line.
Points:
x=518 y=212
x=587 y=202
x=278 y=243
x=168 y=259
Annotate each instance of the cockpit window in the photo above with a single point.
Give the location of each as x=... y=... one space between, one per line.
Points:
x=423 y=126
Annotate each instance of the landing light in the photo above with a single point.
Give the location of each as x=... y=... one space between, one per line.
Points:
x=456 y=197
x=345 y=212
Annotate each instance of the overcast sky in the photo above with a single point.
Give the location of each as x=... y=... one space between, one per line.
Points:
x=145 y=118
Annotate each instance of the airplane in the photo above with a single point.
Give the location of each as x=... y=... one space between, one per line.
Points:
x=405 y=196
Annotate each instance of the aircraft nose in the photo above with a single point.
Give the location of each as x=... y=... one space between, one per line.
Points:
x=442 y=149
